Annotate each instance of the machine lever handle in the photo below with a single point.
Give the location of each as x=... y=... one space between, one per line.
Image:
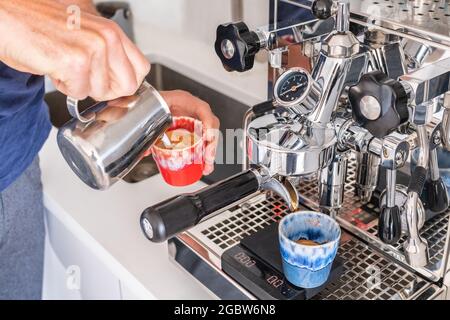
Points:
x=434 y=195
x=390 y=224
x=389 y=221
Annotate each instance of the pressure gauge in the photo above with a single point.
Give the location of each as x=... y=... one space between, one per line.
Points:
x=292 y=87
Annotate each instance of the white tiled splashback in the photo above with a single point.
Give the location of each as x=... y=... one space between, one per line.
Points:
x=196 y=19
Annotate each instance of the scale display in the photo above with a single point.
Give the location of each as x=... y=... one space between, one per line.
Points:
x=255 y=264
x=261 y=280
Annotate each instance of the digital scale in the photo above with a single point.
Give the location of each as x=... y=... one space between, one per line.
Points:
x=255 y=263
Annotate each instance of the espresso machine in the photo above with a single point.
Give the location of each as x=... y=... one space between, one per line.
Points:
x=355 y=132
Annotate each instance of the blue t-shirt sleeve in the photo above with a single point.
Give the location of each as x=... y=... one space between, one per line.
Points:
x=24 y=122
x=18 y=90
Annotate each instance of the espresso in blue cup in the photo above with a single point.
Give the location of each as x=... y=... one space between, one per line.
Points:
x=308 y=244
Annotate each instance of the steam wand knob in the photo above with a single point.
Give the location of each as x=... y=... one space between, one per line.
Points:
x=237 y=46
x=379 y=104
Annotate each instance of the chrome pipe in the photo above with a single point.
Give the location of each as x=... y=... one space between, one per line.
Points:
x=424 y=147
x=434 y=165
x=332 y=185
x=415 y=247
x=366 y=175
x=391 y=183
x=343 y=16
x=237 y=10
x=445 y=135
x=247 y=118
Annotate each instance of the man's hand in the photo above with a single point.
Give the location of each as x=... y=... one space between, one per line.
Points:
x=96 y=60
x=182 y=103
x=85 y=5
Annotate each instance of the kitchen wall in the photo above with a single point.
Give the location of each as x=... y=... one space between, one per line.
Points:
x=196 y=19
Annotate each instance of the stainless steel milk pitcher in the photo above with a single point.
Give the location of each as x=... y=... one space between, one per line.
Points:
x=106 y=141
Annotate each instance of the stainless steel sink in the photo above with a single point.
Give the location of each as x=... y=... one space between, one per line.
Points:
x=229 y=111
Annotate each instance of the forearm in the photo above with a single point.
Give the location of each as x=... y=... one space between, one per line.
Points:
x=95 y=59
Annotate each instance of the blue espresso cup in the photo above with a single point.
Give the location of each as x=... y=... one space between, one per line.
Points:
x=308 y=266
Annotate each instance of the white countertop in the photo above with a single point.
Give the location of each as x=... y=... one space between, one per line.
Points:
x=108 y=221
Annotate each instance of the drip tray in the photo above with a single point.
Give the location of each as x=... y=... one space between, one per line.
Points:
x=255 y=263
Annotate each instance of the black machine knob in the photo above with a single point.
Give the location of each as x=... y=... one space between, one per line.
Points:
x=236 y=46
x=379 y=103
x=390 y=224
x=322 y=9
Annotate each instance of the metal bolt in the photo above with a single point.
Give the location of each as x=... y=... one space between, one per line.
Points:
x=400 y=158
x=227 y=48
x=370 y=107
x=308 y=49
x=437 y=138
x=148 y=228
x=447 y=100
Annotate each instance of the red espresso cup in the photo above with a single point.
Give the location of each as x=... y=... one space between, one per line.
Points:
x=182 y=166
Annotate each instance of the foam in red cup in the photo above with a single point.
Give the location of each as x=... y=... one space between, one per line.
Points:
x=182 y=166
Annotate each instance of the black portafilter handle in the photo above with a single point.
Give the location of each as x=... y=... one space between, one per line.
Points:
x=236 y=46
x=173 y=216
x=379 y=103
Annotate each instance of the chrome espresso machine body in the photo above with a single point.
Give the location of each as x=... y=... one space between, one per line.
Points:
x=353 y=131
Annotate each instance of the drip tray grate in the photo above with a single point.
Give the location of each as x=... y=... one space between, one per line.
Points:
x=367 y=273
x=243 y=220
x=369 y=276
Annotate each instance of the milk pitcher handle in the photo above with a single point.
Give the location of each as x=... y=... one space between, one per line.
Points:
x=72 y=106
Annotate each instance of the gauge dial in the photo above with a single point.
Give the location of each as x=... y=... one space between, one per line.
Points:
x=292 y=87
